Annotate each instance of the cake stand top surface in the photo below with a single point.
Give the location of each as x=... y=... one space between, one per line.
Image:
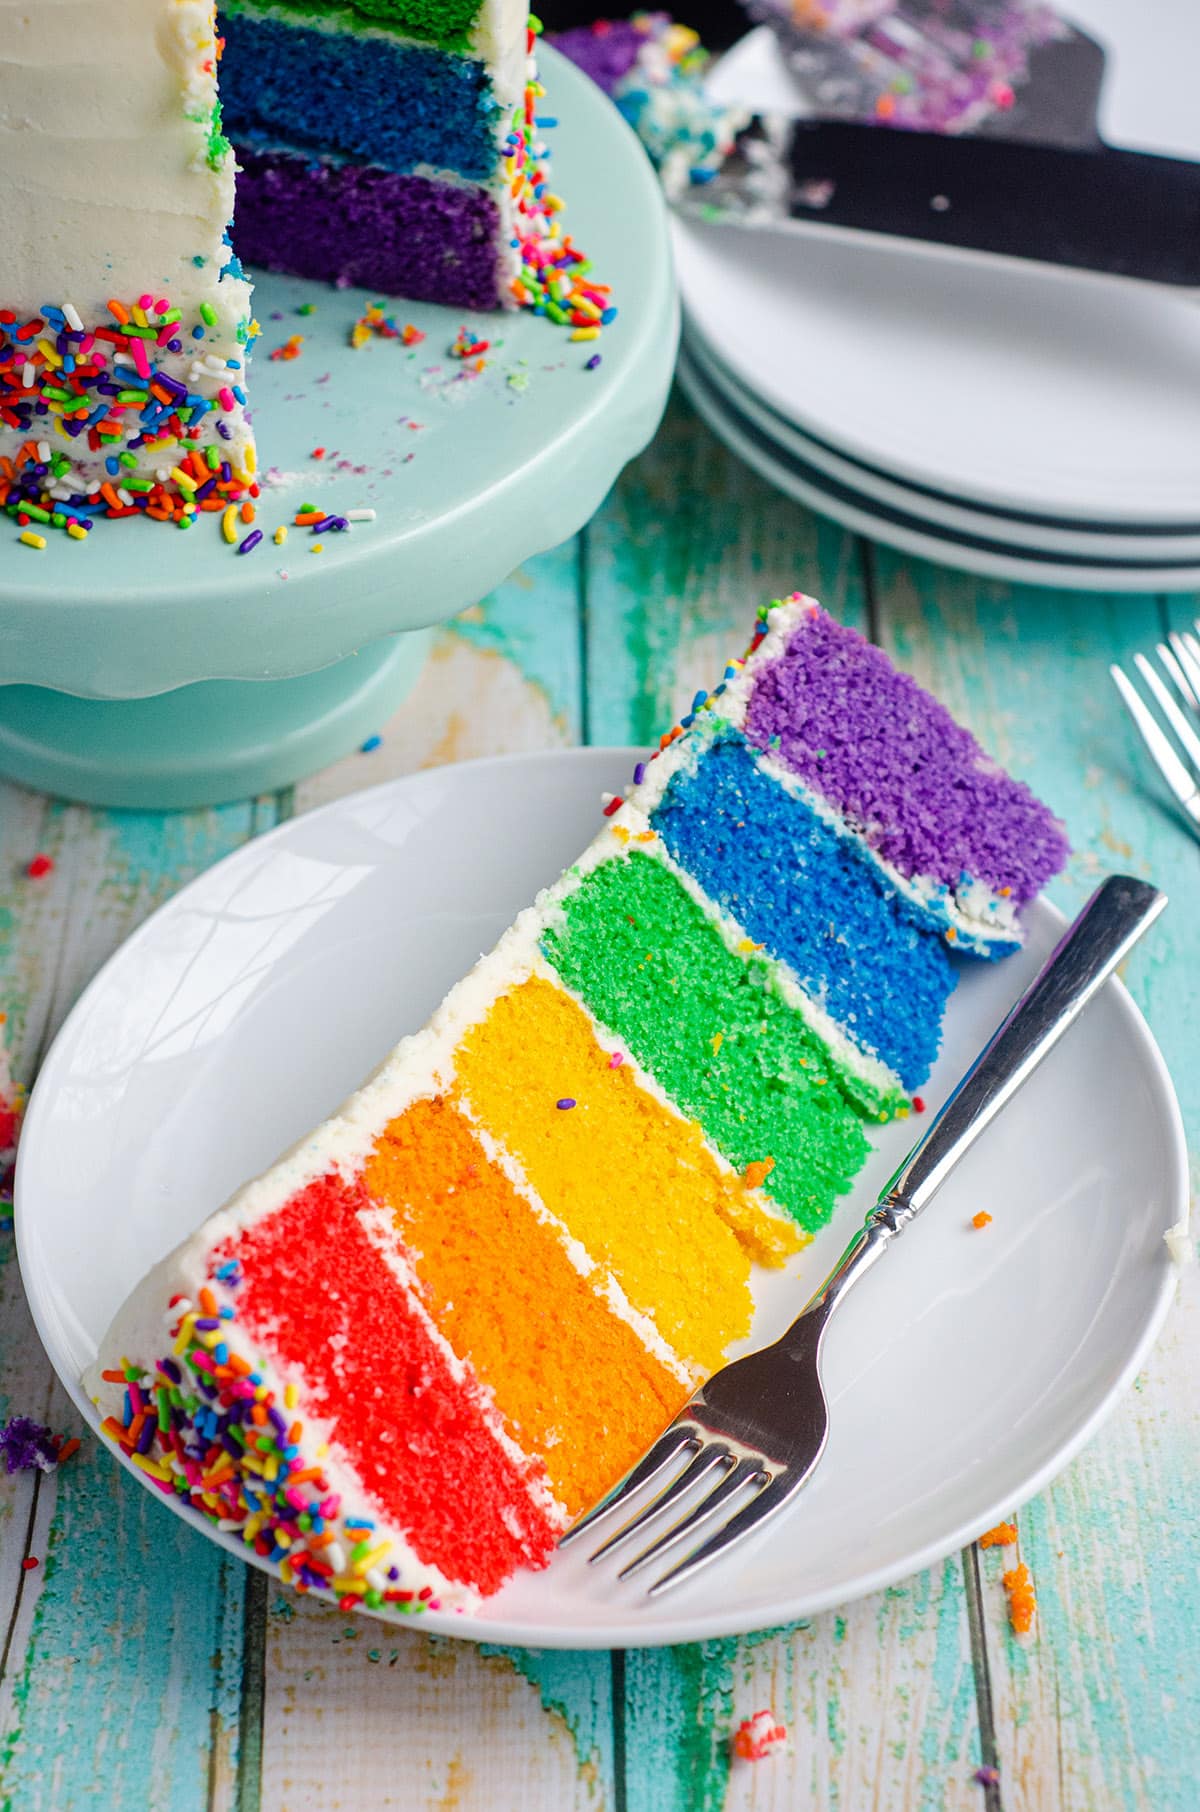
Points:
x=468 y=473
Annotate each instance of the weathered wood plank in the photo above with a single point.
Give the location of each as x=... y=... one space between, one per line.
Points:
x=124 y=1643
x=363 y=1717
x=1099 y=1708
x=879 y=1700
x=678 y=560
x=503 y=677
x=428 y=1723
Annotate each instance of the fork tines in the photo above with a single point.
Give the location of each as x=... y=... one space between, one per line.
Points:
x=1176 y=755
x=736 y=1482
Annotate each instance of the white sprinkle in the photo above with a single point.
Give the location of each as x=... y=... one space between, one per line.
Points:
x=93 y=485
x=125 y=497
x=28 y=375
x=162 y=473
x=71 y=317
x=335 y=1554
x=360 y=515
x=123 y=358
x=43 y=450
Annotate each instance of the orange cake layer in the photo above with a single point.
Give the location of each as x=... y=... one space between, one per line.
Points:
x=631 y=1180
x=498 y=1282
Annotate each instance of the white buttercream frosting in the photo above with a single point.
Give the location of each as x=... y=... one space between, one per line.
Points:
x=116 y=187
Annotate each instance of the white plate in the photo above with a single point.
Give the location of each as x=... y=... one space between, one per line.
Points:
x=809 y=485
x=963 y=1374
x=1026 y=535
x=1003 y=383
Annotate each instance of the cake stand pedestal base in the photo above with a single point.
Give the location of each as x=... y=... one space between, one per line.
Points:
x=207 y=743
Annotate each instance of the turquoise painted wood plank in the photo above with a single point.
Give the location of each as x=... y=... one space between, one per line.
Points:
x=502 y=677
x=880 y=1700
x=532 y=622
x=124 y=1661
x=678 y=559
x=505 y=675
x=1101 y=1708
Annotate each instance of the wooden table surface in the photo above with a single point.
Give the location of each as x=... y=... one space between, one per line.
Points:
x=143 y=1668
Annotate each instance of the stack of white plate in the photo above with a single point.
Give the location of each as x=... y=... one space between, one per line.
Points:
x=1015 y=420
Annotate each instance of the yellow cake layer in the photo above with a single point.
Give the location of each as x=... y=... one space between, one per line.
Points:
x=632 y=1181
x=573 y=1382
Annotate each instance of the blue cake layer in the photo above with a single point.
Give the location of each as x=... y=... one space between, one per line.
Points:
x=813 y=897
x=370 y=99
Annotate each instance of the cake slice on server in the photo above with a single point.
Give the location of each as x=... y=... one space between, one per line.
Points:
x=124 y=315
x=400 y=1362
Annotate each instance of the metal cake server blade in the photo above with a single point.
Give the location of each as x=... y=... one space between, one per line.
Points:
x=1038 y=183
x=753 y=1435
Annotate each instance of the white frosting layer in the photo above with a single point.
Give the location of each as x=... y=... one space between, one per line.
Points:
x=105 y=117
x=111 y=189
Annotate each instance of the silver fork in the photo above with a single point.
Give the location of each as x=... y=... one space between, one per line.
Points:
x=1180 y=658
x=754 y=1433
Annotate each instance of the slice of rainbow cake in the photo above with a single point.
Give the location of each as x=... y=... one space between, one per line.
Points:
x=399 y=1363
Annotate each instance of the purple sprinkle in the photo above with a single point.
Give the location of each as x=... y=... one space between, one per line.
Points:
x=26 y=1444
x=592 y=362
x=987 y=1777
x=567 y=1101
x=639 y=773
x=247 y=547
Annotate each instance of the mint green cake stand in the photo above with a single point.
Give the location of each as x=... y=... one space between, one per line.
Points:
x=150 y=666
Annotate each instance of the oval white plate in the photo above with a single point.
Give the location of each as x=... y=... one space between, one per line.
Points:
x=865 y=515
x=963 y=1373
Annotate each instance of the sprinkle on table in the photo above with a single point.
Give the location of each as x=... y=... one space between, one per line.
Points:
x=1004 y=1535
x=290 y=348
x=39 y=865
x=757 y=1737
x=981 y=1220
x=1022 y=1599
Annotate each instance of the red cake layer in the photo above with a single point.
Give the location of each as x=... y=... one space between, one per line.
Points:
x=319 y=1298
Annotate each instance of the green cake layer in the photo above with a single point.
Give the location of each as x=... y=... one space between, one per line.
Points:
x=712 y=1029
x=446 y=24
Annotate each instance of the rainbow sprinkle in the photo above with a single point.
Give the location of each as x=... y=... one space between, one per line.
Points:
x=205 y=1428
x=110 y=394
x=554 y=278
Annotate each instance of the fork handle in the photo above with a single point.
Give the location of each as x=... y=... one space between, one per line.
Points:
x=1079 y=965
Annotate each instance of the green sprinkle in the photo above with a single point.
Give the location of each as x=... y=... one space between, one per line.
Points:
x=208 y=314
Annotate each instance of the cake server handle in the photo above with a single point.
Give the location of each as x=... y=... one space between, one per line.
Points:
x=1115 y=917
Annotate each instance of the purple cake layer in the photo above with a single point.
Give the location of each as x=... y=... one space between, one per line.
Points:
x=403 y=235
x=894 y=761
